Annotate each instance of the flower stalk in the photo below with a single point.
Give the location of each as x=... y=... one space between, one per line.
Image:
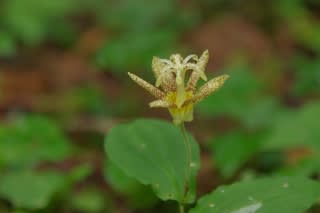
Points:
x=188 y=167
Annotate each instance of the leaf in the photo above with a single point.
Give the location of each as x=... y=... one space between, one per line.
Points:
x=30 y=190
x=30 y=21
x=7 y=44
x=260 y=113
x=153 y=152
x=231 y=151
x=241 y=98
x=307 y=76
x=305 y=29
x=135 y=50
x=296 y=128
x=141 y=15
x=89 y=200
x=307 y=166
x=31 y=140
x=80 y=173
x=138 y=195
x=276 y=195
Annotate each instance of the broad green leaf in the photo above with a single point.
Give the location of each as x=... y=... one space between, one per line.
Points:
x=231 y=151
x=31 y=140
x=138 y=195
x=154 y=153
x=30 y=190
x=276 y=195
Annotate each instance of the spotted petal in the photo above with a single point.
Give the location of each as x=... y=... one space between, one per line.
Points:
x=149 y=87
x=209 y=87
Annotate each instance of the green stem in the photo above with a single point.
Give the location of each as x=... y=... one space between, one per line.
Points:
x=181 y=208
x=188 y=157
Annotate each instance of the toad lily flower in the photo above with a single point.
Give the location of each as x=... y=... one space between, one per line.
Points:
x=177 y=94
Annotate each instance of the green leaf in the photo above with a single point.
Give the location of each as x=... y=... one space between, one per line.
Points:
x=153 y=152
x=32 y=140
x=138 y=195
x=307 y=76
x=232 y=99
x=241 y=98
x=305 y=29
x=141 y=15
x=299 y=128
x=276 y=195
x=30 y=190
x=81 y=172
x=135 y=50
x=89 y=200
x=30 y=21
x=307 y=166
x=7 y=44
x=231 y=151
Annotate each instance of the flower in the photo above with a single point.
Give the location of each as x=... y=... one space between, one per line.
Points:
x=177 y=94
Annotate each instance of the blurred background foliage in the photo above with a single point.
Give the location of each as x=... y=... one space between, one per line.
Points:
x=63 y=85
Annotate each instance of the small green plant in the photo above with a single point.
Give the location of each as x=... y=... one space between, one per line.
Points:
x=166 y=157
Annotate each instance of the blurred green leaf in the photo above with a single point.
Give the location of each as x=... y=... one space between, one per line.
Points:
x=232 y=150
x=30 y=21
x=138 y=195
x=296 y=128
x=306 y=166
x=133 y=51
x=141 y=15
x=89 y=100
x=89 y=200
x=143 y=29
x=233 y=99
x=80 y=172
x=30 y=190
x=276 y=195
x=305 y=28
x=7 y=44
x=153 y=152
x=241 y=98
x=307 y=76
x=261 y=113
x=32 y=140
